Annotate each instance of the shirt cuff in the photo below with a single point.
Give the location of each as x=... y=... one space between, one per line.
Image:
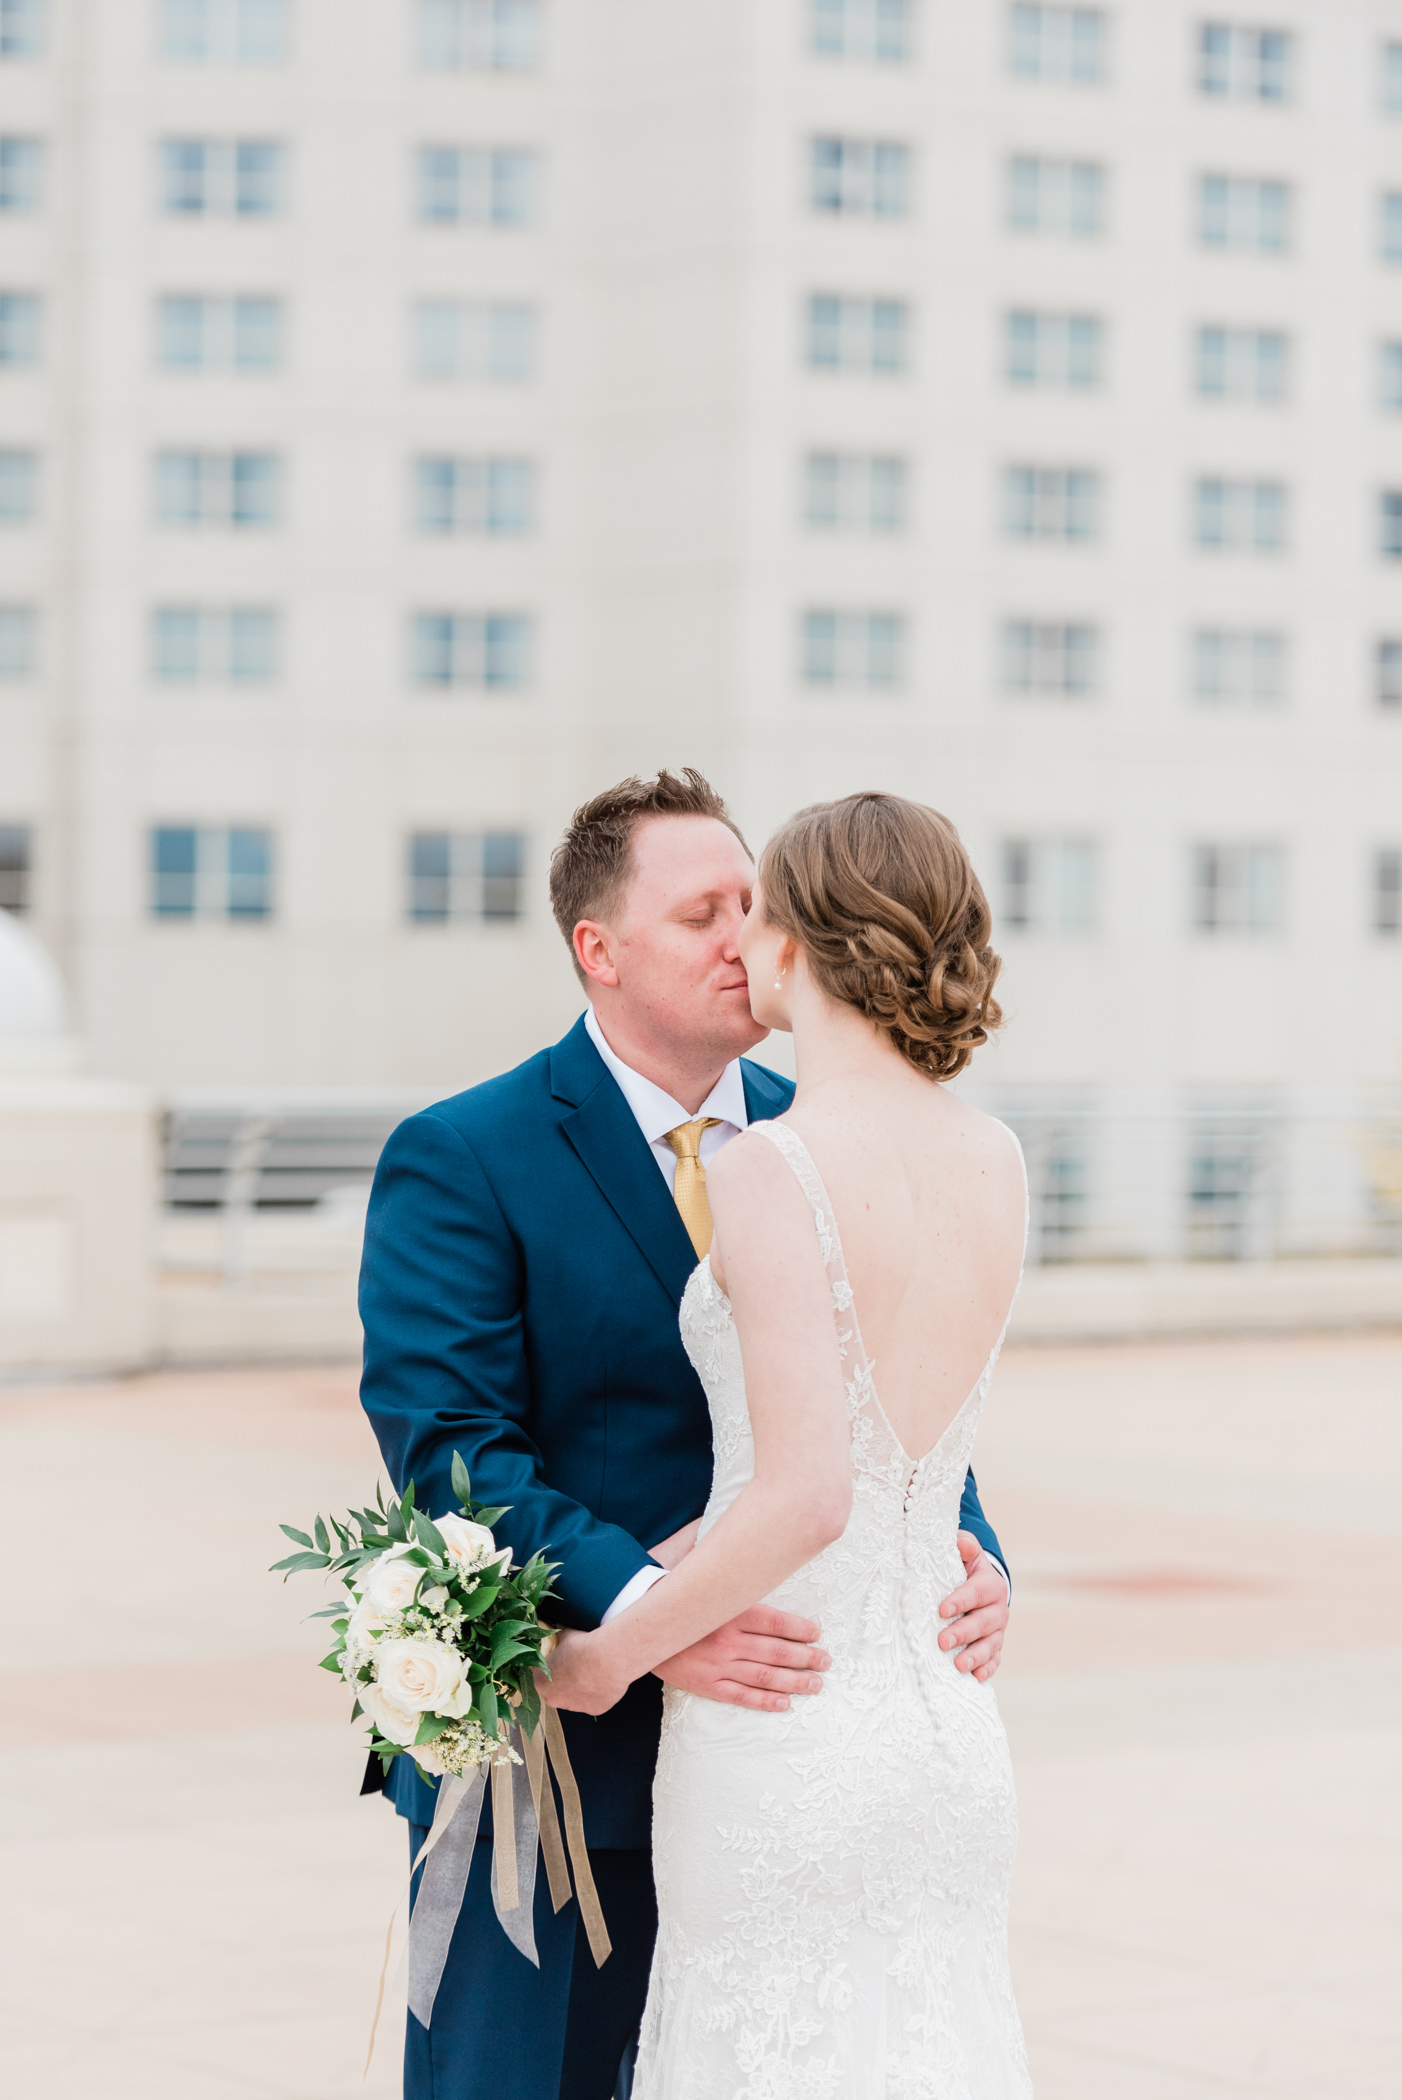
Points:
x=991 y=1558
x=640 y=1585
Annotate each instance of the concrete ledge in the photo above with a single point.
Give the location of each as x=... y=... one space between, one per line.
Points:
x=211 y=1324
x=1103 y=1301
x=312 y=1317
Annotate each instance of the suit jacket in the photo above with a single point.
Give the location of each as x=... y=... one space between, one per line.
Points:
x=524 y=1264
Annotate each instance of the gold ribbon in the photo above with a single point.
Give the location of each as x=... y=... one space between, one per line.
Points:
x=600 y=1945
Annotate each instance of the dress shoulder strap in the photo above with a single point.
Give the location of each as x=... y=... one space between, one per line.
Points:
x=792 y=1149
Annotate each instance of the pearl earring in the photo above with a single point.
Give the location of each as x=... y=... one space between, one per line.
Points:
x=779 y=982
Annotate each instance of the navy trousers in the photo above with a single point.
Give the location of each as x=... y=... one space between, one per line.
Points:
x=504 y=2030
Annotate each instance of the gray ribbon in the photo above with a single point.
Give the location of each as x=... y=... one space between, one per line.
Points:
x=444 y=1884
x=519 y=1924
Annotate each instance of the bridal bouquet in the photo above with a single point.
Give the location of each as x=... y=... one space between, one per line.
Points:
x=441 y=1634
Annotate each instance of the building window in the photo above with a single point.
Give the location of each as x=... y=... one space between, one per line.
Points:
x=475 y=340
x=487 y=652
x=477 y=185
x=229 y=32
x=21 y=174
x=1049 y=656
x=853 y=648
x=1238 y=889
x=19 y=329
x=214 y=645
x=1239 y=666
x=1387 y=890
x=22 y=28
x=1391 y=227
x=1241 y=516
x=241 y=490
x=854 y=492
x=16 y=867
x=486 y=495
x=1387 y=674
x=18 y=627
x=1390 y=375
x=860 y=178
x=479 y=36
x=18 y=480
x=1245 y=65
x=1242 y=364
x=221 y=178
x=1240 y=212
x=856 y=335
x=1392 y=79
x=1049 y=885
x=195 y=334
x=211 y=874
x=1047 y=195
x=1051 y=503
x=1390 y=525
x=1057 y=43
x=465 y=875
x=1053 y=350
x=862 y=29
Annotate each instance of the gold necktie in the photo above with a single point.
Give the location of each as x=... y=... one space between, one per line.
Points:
x=689 y=1186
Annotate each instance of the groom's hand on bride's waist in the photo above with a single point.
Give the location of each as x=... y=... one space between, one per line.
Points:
x=976 y=1614
x=762 y=1659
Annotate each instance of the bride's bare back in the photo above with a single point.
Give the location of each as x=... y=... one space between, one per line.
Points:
x=929 y=1198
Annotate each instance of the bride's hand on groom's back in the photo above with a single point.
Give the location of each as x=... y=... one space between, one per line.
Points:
x=760 y=1659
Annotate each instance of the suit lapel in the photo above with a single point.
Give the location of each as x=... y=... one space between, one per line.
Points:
x=610 y=1145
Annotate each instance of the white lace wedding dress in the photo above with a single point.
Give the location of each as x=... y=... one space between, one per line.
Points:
x=833 y=1881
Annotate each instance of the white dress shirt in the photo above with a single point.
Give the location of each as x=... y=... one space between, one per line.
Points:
x=655 y=1113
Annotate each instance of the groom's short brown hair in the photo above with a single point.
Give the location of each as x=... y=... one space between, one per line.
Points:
x=589 y=868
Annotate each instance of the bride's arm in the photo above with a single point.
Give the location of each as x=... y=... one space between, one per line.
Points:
x=801 y=1494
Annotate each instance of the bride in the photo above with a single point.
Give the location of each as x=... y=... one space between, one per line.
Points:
x=833 y=1880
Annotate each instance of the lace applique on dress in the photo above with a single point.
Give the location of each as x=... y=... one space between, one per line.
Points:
x=833 y=1881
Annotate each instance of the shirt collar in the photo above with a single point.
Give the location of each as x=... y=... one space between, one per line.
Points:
x=654 y=1111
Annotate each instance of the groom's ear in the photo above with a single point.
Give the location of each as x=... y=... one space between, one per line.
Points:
x=593 y=947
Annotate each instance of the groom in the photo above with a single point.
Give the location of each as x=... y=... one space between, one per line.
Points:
x=526 y=1250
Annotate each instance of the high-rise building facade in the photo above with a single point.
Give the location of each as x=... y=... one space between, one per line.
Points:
x=417 y=413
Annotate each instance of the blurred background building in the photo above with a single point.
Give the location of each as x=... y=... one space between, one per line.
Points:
x=415 y=414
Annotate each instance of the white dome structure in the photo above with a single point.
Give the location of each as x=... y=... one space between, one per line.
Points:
x=31 y=990
x=33 y=1006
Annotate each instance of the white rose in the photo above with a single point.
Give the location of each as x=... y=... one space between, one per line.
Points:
x=365 y=1623
x=396 y=1723
x=425 y=1676
x=470 y=1547
x=427 y=1757
x=389 y=1583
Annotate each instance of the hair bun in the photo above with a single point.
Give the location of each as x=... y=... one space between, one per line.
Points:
x=881 y=895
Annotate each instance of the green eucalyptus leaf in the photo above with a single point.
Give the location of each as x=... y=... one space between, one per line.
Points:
x=430 y=1728
x=332 y=1661
x=322 y=1539
x=508 y=1653
x=394 y=1524
x=487 y=1708
x=296 y=1563
x=491 y=1516
x=462 y=1485
x=428 y=1534
x=298 y=1538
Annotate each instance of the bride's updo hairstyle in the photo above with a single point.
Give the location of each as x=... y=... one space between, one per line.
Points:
x=880 y=895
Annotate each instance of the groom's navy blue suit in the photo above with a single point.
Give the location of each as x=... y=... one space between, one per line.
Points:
x=523 y=1267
